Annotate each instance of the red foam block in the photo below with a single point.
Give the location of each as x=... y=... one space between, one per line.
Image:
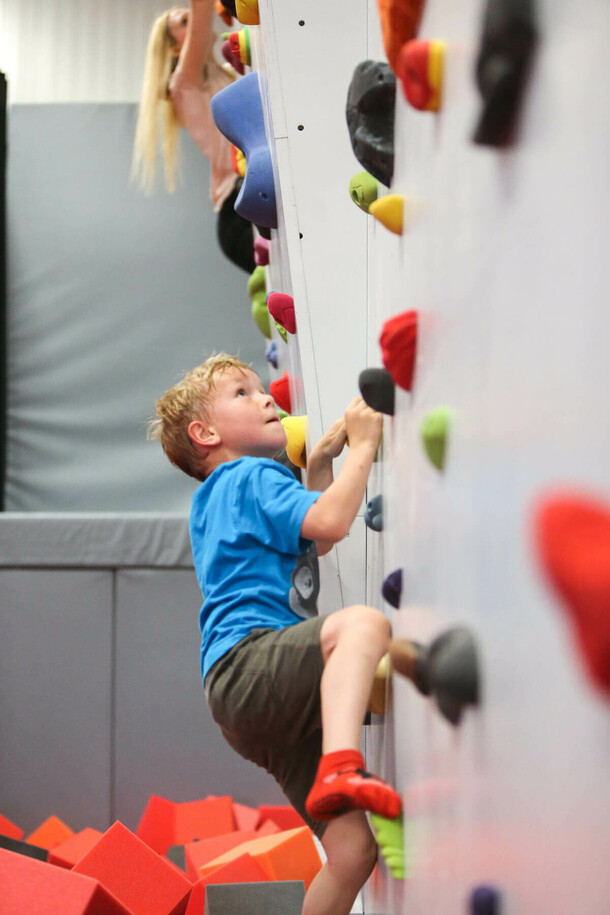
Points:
x=280 y=391
x=281 y=307
x=284 y=816
x=573 y=540
x=7 y=828
x=68 y=853
x=243 y=869
x=198 y=853
x=246 y=817
x=398 y=341
x=135 y=874
x=30 y=887
x=165 y=823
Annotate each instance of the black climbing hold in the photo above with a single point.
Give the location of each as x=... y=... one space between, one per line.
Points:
x=377 y=389
x=392 y=588
x=370 y=118
x=373 y=513
x=507 y=47
x=485 y=900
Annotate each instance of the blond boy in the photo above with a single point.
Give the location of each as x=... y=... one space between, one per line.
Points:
x=289 y=690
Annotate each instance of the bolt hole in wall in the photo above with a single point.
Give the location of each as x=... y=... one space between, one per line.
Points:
x=301 y=22
x=301 y=127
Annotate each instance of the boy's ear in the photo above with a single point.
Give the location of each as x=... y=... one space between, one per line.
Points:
x=202 y=434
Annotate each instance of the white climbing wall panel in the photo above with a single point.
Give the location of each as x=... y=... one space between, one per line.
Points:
x=504 y=256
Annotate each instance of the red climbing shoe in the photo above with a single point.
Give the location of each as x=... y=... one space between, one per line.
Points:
x=342 y=784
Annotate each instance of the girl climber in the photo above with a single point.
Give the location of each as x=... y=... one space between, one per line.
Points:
x=180 y=77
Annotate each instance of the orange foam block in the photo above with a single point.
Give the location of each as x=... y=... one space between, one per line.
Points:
x=68 y=853
x=50 y=833
x=246 y=817
x=30 y=886
x=285 y=816
x=165 y=823
x=288 y=855
x=242 y=869
x=7 y=828
x=135 y=874
x=199 y=853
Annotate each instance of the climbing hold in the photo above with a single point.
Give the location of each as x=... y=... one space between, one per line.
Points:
x=390 y=838
x=281 y=307
x=238 y=161
x=373 y=513
x=238 y=113
x=363 y=190
x=573 y=542
x=247 y=11
x=448 y=669
x=271 y=353
x=296 y=429
x=399 y=23
x=257 y=292
x=420 y=70
x=485 y=900
x=377 y=389
x=434 y=431
x=508 y=42
x=378 y=691
x=391 y=588
x=225 y=10
x=261 y=251
x=370 y=118
x=280 y=391
x=388 y=211
x=240 y=46
x=398 y=341
x=232 y=58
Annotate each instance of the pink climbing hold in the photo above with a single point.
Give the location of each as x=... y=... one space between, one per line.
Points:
x=573 y=541
x=398 y=341
x=281 y=307
x=261 y=251
x=280 y=391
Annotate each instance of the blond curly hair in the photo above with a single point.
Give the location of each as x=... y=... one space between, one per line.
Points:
x=189 y=399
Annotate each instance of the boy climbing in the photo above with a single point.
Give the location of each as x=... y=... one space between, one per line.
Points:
x=289 y=690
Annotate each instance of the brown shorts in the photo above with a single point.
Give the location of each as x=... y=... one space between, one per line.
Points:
x=265 y=696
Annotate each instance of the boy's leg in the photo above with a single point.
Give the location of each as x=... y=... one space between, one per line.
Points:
x=353 y=641
x=351 y=854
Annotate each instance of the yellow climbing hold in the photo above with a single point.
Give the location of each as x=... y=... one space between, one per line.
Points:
x=296 y=429
x=388 y=211
x=378 y=692
x=247 y=11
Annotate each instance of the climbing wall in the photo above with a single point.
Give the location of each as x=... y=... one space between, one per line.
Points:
x=502 y=257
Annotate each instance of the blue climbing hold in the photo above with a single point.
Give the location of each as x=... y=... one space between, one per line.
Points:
x=373 y=513
x=238 y=113
x=271 y=354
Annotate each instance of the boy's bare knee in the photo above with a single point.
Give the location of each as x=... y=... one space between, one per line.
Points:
x=354 y=624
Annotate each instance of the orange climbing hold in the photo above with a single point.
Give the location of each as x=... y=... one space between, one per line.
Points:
x=420 y=70
x=398 y=341
x=399 y=23
x=573 y=540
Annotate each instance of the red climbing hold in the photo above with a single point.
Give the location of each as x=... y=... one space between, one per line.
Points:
x=398 y=341
x=420 y=70
x=280 y=391
x=573 y=539
x=281 y=307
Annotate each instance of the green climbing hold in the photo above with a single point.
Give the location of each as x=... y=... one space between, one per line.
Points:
x=363 y=190
x=257 y=290
x=434 y=431
x=390 y=836
x=257 y=282
x=282 y=332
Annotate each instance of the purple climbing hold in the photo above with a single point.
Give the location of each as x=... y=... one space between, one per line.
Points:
x=392 y=588
x=485 y=900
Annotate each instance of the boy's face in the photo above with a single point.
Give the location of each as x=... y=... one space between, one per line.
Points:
x=244 y=416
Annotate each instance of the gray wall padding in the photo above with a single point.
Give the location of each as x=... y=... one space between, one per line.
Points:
x=112 y=296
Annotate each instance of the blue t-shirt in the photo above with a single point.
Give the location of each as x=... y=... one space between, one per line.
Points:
x=245 y=534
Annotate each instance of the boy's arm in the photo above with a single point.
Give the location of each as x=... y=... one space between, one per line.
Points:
x=330 y=518
x=320 y=467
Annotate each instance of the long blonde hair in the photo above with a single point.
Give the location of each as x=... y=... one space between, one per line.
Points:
x=157 y=110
